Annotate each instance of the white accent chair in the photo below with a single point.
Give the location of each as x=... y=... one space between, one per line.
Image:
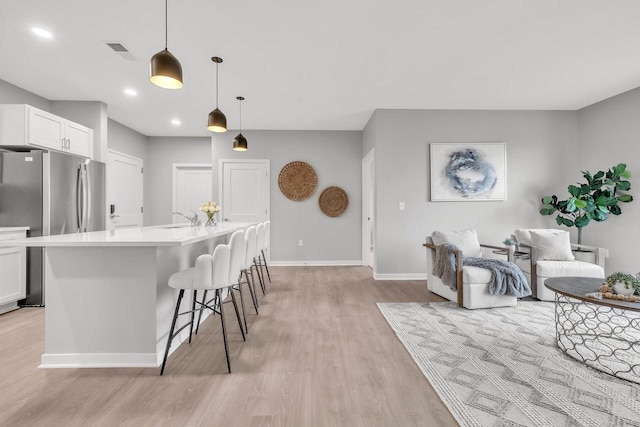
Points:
x=550 y=254
x=211 y=273
x=472 y=282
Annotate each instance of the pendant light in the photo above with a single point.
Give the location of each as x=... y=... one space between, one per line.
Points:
x=166 y=70
x=217 y=122
x=240 y=142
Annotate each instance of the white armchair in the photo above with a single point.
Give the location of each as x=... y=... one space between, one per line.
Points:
x=472 y=282
x=550 y=254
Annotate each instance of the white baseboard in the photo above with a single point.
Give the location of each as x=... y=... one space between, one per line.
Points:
x=8 y=307
x=99 y=360
x=314 y=263
x=400 y=276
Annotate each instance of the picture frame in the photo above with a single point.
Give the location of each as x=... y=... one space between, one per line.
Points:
x=464 y=172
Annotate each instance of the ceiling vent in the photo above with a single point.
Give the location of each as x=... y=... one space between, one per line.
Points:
x=121 y=50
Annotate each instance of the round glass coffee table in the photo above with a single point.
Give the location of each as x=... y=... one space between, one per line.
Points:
x=603 y=334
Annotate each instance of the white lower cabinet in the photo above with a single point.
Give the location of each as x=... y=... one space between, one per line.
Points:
x=13 y=271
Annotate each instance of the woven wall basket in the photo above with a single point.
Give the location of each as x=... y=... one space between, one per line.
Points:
x=333 y=201
x=297 y=181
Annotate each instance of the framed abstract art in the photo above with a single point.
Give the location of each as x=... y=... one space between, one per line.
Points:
x=468 y=171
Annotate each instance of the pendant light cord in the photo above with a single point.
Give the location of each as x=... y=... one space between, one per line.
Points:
x=166 y=23
x=240 y=116
x=216 y=85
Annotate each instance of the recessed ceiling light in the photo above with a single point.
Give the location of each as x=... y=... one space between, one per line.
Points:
x=176 y=122
x=130 y=92
x=42 y=33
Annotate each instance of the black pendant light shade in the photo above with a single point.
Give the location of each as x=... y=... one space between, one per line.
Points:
x=165 y=69
x=240 y=142
x=217 y=122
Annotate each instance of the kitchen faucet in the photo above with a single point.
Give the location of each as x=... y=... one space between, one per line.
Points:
x=193 y=220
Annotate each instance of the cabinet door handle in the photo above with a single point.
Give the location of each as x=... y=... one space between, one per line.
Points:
x=68 y=144
x=63 y=144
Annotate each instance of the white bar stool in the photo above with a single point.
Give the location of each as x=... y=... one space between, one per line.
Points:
x=237 y=248
x=211 y=273
x=256 y=256
x=249 y=264
x=266 y=243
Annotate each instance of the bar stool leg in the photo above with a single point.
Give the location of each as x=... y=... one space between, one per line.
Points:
x=255 y=265
x=252 y=290
x=193 y=313
x=204 y=301
x=264 y=280
x=224 y=330
x=173 y=327
x=265 y=265
x=253 y=282
x=235 y=306
x=244 y=310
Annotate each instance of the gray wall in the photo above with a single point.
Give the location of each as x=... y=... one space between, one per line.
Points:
x=126 y=140
x=336 y=157
x=10 y=94
x=540 y=154
x=609 y=133
x=162 y=152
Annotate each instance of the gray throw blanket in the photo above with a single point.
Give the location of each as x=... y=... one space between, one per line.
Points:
x=506 y=277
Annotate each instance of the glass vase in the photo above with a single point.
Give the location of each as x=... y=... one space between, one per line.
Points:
x=211 y=220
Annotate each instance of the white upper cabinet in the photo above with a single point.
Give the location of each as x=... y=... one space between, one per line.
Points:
x=79 y=139
x=26 y=125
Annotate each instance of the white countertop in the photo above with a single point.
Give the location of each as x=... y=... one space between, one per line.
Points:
x=9 y=229
x=160 y=235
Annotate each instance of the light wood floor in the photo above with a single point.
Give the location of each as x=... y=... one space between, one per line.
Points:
x=319 y=354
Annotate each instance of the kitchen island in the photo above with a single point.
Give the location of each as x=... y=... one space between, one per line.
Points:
x=106 y=294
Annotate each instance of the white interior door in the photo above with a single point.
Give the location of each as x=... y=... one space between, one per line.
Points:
x=192 y=185
x=244 y=186
x=124 y=191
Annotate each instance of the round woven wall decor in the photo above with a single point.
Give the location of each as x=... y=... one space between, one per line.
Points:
x=333 y=201
x=297 y=181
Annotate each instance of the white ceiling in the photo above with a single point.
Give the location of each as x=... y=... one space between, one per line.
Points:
x=324 y=64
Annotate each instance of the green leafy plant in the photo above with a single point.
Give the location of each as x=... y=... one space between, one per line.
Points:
x=509 y=242
x=594 y=200
x=628 y=280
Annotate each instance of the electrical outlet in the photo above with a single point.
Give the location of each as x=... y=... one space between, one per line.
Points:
x=300 y=243
x=401 y=206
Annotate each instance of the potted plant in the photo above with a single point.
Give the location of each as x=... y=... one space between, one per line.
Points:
x=510 y=242
x=593 y=200
x=623 y=284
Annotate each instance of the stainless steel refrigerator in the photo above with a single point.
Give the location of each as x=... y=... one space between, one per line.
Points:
x=53 y=193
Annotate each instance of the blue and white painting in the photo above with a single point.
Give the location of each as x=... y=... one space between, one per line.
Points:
x=468 y=172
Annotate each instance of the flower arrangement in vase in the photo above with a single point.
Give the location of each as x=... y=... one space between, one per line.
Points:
x=211 y=209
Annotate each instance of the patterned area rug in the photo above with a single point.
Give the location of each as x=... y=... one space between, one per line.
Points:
x=501 y=367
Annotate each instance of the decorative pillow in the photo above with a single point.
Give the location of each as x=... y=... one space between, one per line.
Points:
x=465 y=240
x=523 y=235
x=552 y=246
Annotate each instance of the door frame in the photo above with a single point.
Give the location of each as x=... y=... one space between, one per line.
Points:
x=368 y=192
x=106 y=192
x=265 y=162
x=174 y=177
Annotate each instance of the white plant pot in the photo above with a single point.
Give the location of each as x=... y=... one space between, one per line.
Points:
x=620 y=288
